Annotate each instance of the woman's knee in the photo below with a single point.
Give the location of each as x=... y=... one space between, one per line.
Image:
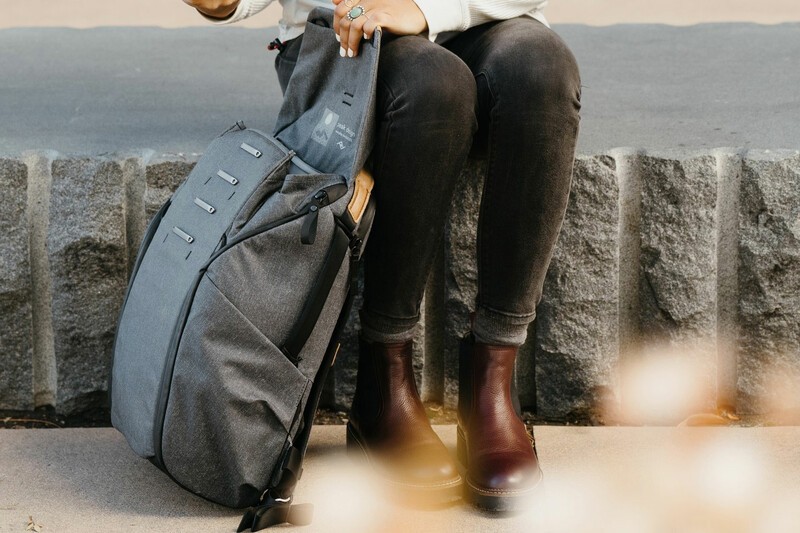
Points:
x=531 y=61
x=428 y=81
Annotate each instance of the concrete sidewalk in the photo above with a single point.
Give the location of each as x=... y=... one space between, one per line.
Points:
x=616 y=479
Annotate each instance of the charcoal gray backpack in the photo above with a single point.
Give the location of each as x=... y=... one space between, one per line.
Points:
x=241 y=287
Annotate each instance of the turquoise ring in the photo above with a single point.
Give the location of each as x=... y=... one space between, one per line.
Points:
x=354 y=13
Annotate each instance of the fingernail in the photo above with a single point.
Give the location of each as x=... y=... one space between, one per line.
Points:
x=341 y=51
x=365 y=36
x=349 y=53
x=338 y=39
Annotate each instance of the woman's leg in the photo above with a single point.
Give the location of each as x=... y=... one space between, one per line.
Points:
x=426 y=122
x=528 y=105
x=529 y=102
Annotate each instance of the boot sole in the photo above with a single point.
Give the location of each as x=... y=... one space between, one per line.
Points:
x=492 y=500
x=406 y=493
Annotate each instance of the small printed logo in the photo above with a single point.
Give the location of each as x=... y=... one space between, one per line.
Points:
x=325 y=127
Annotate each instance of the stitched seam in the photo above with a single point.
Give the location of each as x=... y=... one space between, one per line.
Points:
x=506 y=313
x=415 y=317
x=390 y=123
x=453 y=483
x=500 y=491
x=487 y=182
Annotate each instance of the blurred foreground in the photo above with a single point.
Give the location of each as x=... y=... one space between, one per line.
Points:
x=619 y=479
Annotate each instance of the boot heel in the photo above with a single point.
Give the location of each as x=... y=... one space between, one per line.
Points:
x=461 y=448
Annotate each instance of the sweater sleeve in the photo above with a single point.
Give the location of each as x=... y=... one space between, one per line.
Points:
x=246 y=8
x=458 y=15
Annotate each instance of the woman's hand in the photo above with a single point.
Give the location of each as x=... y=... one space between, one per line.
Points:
x=401 y=17
x=214 y=8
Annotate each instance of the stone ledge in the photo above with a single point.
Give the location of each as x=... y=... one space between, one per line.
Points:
x=696 y=250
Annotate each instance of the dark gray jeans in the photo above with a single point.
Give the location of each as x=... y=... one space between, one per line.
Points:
x=508 y=91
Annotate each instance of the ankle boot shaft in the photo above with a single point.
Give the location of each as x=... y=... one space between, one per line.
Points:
x=489 y=394
x=464 y=406
x=493 y=444
x=386 y=392
x=485 y=370
x=386 y=396
x=378 y=363
x=388 y=424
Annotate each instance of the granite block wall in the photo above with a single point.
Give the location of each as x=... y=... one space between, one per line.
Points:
x=698 y=252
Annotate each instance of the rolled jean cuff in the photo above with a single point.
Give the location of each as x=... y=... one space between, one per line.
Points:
x=496 y=327
x=382 y=328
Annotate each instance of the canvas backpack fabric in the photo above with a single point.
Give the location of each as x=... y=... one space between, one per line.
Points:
x=242 y=284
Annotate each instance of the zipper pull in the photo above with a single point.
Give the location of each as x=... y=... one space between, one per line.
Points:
x=239 y=124
x=321 y=197
x=308 y=233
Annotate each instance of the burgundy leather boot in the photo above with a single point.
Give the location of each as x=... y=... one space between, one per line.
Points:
x=389 y=426
x=494 y=445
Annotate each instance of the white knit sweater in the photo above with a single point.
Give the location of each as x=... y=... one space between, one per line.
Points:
x=445 y=17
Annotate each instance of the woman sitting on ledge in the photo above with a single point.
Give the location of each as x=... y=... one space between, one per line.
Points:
x=456 y=77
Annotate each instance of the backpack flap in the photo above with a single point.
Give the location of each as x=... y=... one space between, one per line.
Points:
x=327 y=115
